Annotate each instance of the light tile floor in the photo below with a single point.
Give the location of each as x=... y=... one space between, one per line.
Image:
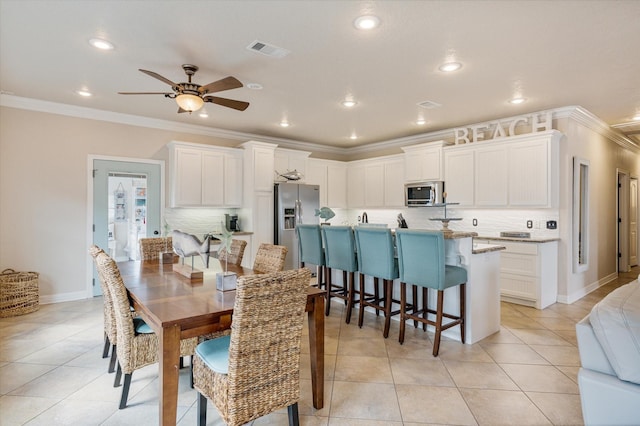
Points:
x=52 y=373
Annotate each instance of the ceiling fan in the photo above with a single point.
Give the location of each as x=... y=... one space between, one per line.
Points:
x=191 y=96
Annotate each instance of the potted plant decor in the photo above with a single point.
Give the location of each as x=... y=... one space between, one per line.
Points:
x=226 y=280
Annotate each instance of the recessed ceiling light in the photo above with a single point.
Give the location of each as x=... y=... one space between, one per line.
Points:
x=284 y=123
x=516 y=101
x=254 y=86
x=84 y=93
x=450 y=66
x=101 y=44
x=636 y=117
x=353 y=137
x=203 y=114
x=421 y=121
x=367 y=22
x=349 y=103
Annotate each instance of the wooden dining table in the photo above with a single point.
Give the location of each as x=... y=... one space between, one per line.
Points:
x=176 y=307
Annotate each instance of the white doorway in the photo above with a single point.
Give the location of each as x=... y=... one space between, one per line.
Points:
x=633 y=221
x=125 y=199
x=623 y=221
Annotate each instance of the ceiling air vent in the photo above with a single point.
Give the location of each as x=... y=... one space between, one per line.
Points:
x=429 y=104
x=267 y=49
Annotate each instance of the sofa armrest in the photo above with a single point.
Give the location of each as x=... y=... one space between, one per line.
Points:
x=592 y=355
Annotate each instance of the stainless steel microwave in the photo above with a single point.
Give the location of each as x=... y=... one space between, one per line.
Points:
x=423 y=194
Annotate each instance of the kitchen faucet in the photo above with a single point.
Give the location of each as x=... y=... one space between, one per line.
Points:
x=365 y=218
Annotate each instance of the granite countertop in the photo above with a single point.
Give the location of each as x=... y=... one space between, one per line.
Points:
x=242 y=233
x=520 y=240
x=455 y=234
x=479 y=248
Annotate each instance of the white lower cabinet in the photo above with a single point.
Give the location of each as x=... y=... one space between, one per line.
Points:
x=528 y=272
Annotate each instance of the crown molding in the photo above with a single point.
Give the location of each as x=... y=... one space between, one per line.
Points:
x=38 y=105
x=576 y=113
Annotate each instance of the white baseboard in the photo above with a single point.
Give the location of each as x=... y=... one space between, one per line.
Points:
x=64 y=297
x=577 y=295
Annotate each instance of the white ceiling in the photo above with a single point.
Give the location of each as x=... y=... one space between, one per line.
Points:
x=554 y=53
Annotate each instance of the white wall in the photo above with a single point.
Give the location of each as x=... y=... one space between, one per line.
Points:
x=43 y=196
x=43 y=190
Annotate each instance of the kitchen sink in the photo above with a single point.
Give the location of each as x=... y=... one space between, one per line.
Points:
x=516 y=234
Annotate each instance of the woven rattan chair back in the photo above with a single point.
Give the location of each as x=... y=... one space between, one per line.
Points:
x=110 y=328
x=264 y=352
x=134 y=350
x=150 y=248
x=235 y=256
x=270 y=258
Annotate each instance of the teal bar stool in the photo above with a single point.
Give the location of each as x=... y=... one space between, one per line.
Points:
x=376 y=258
x=340 y=251
x=422 y=262
x=311 y=250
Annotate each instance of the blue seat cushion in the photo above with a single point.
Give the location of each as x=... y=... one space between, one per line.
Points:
x=454 y=275
x=141 y=327
x=215 y=353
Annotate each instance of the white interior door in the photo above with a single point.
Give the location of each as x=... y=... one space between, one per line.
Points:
x=126 y=207
x=633 y=221
x=623 y=221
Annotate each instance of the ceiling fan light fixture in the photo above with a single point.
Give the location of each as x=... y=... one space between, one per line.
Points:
x=189 y=103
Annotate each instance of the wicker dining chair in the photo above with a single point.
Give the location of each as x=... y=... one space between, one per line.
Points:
x=235 y=256
x=256 y=369
x=137 y=344
x=270 y=258
x=110 y=328
x=150 y=248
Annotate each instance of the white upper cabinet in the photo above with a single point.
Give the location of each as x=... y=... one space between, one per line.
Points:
x=355 y=185
x=336 y=185
x=394 y=183
x=423 y=162
x=204 y=176
x=530 y=165
x=519 y=171
x=286 y=160
x=377 y=182
x=491 y=176
x=459 y=176
x=317 y=175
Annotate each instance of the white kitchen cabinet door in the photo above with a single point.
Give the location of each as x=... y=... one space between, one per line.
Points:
x=529 y=175
x=394 y=183
x=263 y=161
x=355 y=186
x=337 y=185
x=212 y=178
x=491 y=172
x=459 y=176
x=233 y=180
x=187 y=178
x=317 y=175
x=374 y=185
x=423 y=163
x=286 y=160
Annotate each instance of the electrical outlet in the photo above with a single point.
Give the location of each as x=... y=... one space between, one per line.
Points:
x=475 y=222
x=552 y=224
x=529 y=224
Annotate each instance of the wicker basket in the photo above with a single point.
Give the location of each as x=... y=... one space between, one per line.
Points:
x=19 y=293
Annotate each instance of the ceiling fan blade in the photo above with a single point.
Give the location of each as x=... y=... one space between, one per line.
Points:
x=159 y=77
x=145 y=93
x=230 y=103
x=227 y=83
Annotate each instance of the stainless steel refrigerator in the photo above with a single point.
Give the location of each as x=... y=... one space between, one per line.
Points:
x=294 y=203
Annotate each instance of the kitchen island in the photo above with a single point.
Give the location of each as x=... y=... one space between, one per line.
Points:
x=482 y=262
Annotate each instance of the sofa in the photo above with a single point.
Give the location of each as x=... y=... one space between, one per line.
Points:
x=609 y=346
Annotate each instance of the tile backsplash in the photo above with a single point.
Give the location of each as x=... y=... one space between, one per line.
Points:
x=489 y=222
x=197 y=222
